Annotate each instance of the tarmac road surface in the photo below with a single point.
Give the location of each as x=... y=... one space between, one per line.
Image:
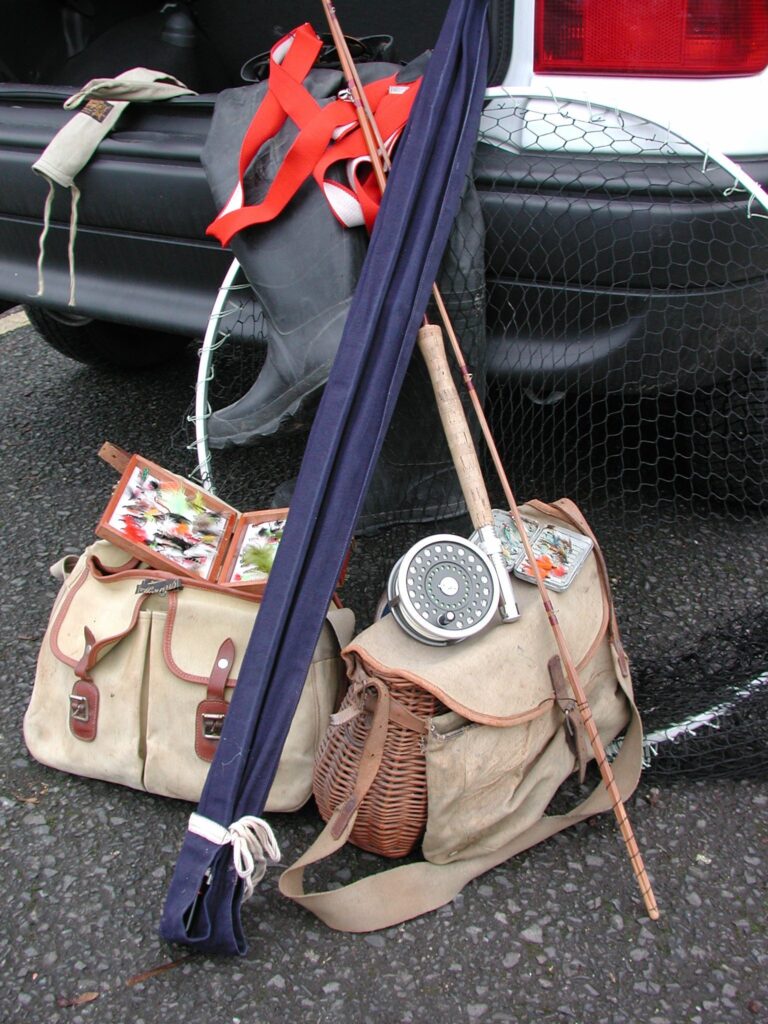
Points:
x=556 y=935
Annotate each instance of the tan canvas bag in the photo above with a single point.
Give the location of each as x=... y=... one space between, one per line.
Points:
x=136 y=670
x=494 y=754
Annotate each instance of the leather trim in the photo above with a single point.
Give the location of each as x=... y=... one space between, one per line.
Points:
x=160 y=574
x=354 y=659
x=111 y=570
x=96 y=648
x=83 y=666
x=170 y=661
x=61 y=614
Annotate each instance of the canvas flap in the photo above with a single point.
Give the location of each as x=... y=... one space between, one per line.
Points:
x=196 y=624
x=195 y=619
x=500 y=676
x=195 y=630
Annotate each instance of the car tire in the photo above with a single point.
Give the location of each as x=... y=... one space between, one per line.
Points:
x=100 y=343
x=733 y=461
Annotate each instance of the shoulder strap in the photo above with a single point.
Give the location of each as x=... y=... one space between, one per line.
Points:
x=407 y=891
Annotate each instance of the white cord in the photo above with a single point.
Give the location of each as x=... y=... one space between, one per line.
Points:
x=254 y=845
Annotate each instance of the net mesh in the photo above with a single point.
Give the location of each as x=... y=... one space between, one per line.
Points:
x=607 y=280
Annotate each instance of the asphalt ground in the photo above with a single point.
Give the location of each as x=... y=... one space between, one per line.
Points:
x=556 y=935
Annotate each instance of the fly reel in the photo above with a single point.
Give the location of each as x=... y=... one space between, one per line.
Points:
x=443 y=590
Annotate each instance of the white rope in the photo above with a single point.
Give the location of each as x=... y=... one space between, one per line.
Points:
x=254 y=845
x=44 y=234
x=73 y=210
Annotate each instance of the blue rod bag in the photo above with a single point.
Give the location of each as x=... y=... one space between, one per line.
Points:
x=422 y=197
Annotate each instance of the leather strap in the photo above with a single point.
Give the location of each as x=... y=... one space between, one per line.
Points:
x=84 y=696
x=575 y=733
x=84 y=710
x=398 y=713
x=209 y=719
x=370 y=762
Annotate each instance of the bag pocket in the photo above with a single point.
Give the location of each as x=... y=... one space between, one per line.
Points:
x=181 y=712
x=489 y=784
x=116 y=752
x=172 y=766
x=473 y=775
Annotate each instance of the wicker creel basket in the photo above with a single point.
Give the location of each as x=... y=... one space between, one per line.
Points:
x=393 y=813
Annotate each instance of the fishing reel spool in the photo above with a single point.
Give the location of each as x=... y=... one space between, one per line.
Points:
x=444 y=589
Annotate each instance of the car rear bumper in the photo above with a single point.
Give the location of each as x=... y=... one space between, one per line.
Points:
x=611 y=277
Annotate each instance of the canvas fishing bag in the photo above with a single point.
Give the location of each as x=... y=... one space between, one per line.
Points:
x=463 y=748
x=136 y=671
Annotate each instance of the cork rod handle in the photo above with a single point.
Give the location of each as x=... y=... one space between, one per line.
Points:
x=457 y=432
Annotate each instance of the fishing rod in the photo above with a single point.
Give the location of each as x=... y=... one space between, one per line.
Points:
x=379 y=160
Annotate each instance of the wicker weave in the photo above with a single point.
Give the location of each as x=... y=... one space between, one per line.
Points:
x=393 y=814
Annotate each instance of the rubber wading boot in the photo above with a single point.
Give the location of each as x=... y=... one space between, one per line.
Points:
x=415 y=480
x=303 y=268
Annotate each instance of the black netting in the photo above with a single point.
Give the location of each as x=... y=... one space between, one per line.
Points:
x=626 y=303
x=607 y=281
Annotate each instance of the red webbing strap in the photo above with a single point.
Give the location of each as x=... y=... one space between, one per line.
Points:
x=289 y=62
x=313 y=150
x=391 y=103
x=270 y=117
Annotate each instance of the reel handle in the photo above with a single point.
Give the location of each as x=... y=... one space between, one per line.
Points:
x=464 y=454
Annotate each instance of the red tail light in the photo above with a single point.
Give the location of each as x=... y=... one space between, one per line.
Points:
x=651 y=37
